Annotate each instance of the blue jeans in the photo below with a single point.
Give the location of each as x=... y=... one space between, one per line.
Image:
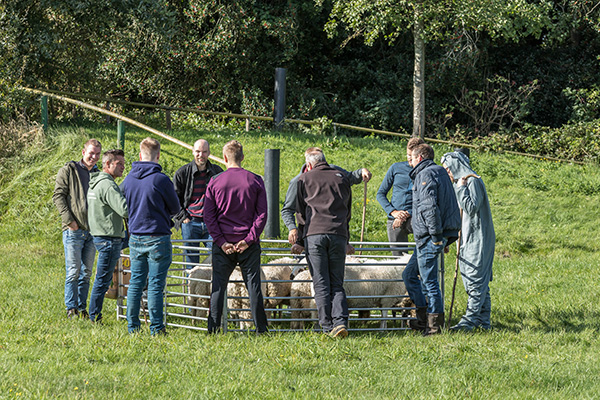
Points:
x=79 y=262
x=425 y=291
x=326 y=256
x=109 y=251
x=194 y=230
x=150 y=260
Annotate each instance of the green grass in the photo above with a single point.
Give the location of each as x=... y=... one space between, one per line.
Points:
x=545 y=294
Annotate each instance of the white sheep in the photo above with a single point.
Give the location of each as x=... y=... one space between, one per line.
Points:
x=199 y=288
x=390 y=271
x=277 y=272
x=301 y=307
x=237 y=307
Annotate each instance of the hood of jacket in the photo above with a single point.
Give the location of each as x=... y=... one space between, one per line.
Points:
x=458 y=163
x=97 y=177
x=142 y=169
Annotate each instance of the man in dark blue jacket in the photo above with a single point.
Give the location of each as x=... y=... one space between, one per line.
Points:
x=152 y=201
x=435 y=222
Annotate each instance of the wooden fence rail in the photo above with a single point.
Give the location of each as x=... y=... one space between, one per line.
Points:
x=62 y=96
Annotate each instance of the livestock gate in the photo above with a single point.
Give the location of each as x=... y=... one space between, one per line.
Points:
x=377 y=300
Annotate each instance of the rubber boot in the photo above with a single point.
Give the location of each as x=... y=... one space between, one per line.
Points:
x=435 y=322
x=421 y=323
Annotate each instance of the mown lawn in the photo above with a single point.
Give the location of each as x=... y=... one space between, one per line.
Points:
x=545 y=295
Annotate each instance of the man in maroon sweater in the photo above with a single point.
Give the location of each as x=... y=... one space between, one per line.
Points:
x=323 y=207
x=235 y=213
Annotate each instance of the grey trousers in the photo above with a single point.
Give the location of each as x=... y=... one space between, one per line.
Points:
x=326 y=255
x=399 y=234
x=223 y=266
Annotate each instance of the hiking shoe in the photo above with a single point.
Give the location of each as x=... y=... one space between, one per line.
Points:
x=72 y=313
x=339 y=331
x=83 y=314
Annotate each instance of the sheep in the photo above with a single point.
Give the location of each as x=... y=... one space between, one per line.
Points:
x=301 y=307
x=277 y=272
x=199 y=288
x=240 y=308
x=391 y=271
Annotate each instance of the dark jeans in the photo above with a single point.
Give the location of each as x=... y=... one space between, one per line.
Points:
x=151 y=258
x=109 y=251
x=223 y=266
x=194 y=229
x=326 y=255
x=425 y=291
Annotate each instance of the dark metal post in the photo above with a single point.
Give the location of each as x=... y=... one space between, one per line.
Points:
x=272 y=188
x=279 y=97
x=44 y=105
x=121 y=134
x=168 y=119
x=465 y=150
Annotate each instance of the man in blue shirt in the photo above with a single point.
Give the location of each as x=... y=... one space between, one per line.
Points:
x=399 y=207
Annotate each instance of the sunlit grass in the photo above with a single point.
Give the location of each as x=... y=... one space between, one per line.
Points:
x=545 y=295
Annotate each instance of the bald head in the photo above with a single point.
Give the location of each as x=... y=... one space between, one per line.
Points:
x=201 y=152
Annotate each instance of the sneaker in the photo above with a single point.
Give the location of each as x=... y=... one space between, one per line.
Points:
x=339 y=331
x=72 y=313
x=83 y=314
x=97 y=321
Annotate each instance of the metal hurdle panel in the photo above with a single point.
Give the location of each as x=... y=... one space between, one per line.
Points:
x=179 y=312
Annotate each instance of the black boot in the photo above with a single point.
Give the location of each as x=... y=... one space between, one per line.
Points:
x=421 y=323
x=435 y=322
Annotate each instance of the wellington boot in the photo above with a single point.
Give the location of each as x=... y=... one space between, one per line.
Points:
x=421 y=323
x=435 y=322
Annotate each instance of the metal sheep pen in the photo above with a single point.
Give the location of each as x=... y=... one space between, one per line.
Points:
x=181 y=313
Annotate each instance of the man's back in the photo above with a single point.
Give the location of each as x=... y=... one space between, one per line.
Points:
x=324 y=201
x=235 y=206
x=151 y=199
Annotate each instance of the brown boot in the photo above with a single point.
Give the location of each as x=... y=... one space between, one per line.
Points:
x=435 y=322
x=421 y=323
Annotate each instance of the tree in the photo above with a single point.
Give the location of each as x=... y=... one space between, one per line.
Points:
x=439 y=20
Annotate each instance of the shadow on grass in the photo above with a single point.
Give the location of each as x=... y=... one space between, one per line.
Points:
x=546 y=320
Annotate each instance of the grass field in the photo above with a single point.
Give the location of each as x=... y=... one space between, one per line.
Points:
x=545 y=294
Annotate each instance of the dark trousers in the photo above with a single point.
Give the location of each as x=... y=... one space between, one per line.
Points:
x=326 y=255
x=400 y=234
x=223 y=266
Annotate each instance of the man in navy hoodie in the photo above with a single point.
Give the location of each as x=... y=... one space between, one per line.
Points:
x=152 y=201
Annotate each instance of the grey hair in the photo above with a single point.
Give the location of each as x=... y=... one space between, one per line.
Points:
x=314 y=157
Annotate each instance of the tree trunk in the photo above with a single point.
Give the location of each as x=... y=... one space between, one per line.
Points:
x=419 y=75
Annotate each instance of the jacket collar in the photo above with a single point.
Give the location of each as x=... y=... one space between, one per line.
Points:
x=420 y=167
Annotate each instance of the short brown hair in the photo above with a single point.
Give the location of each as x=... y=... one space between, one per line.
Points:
x=234 y=151
x=111 y=155
x=424 y=150
x=92 y=142
x=414 y=142
x=150 y=149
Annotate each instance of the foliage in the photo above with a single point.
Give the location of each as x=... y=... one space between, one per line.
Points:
x=585 y=103
x=220 y=55
x=500 y=105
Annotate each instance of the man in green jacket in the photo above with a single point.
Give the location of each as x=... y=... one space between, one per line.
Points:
x=69 y=196
x=106 y=209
